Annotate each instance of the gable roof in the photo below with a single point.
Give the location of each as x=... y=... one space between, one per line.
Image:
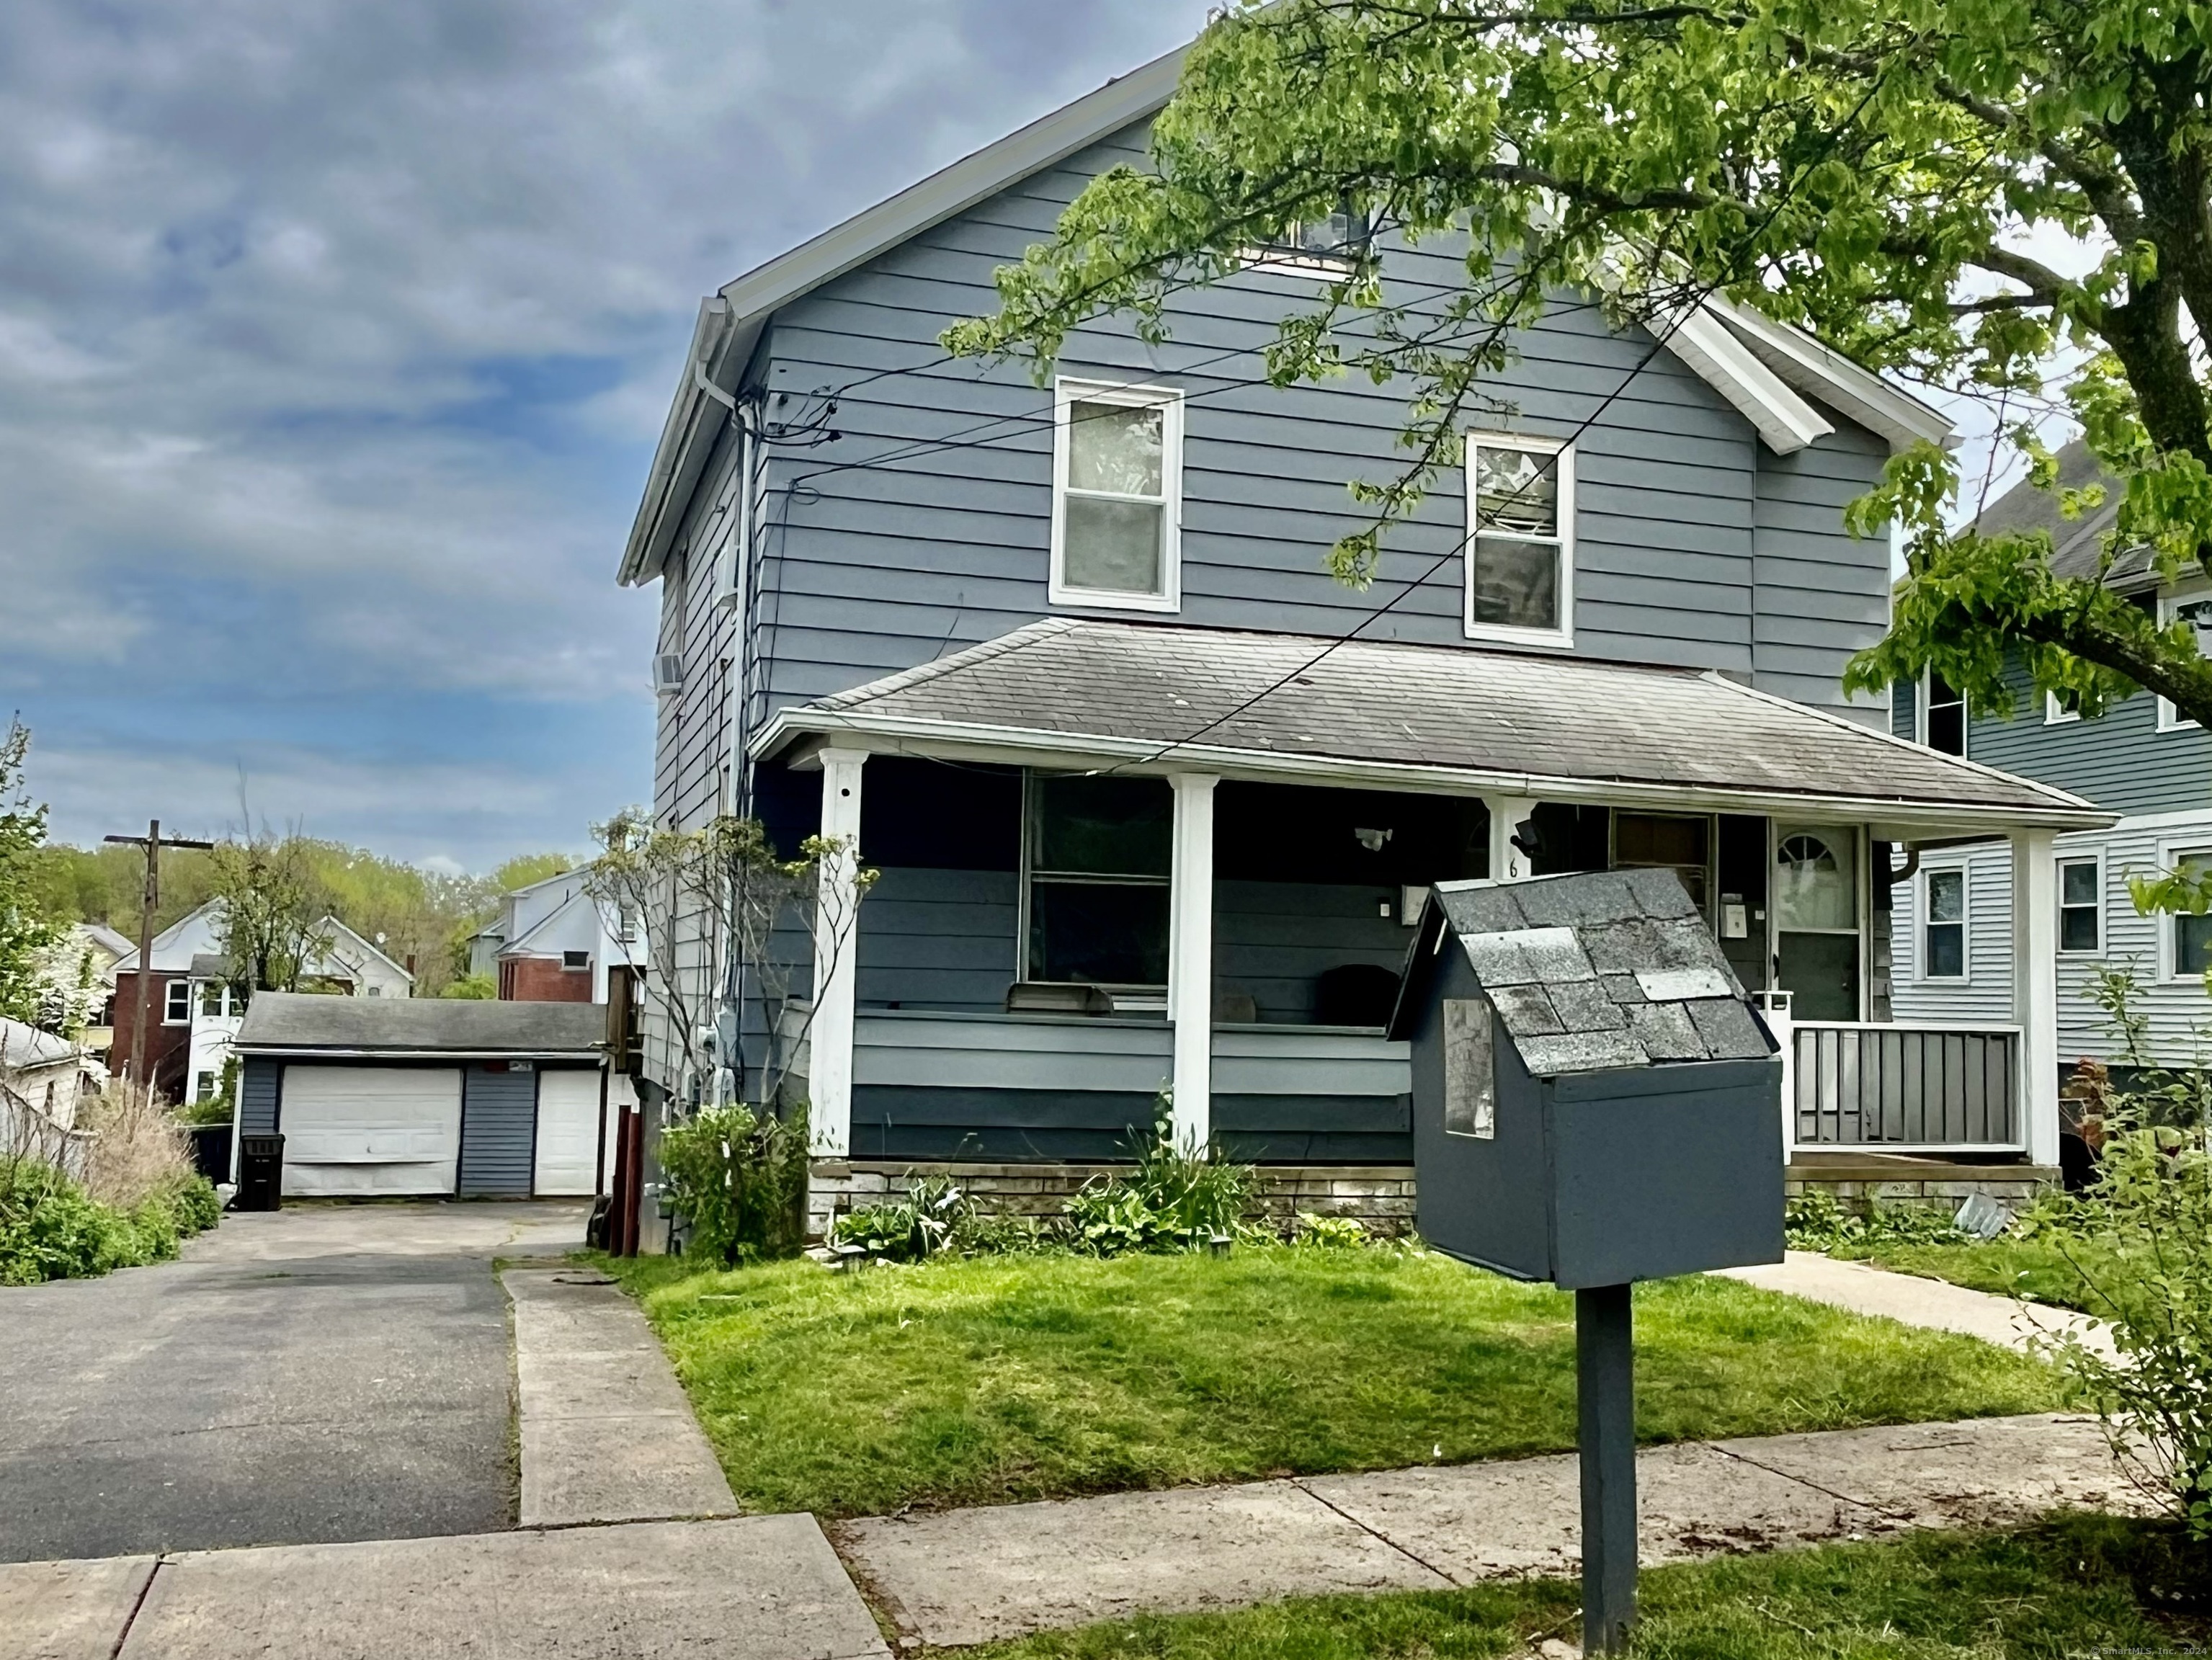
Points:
x=2076 y=544
x=1158 y=696
x=1589 y=972
x=197 y=927
x=1758 y=365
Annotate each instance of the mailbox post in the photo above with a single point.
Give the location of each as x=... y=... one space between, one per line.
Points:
x=1595 y=1102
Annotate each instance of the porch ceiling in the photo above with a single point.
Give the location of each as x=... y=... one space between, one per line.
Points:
x=1167 y=697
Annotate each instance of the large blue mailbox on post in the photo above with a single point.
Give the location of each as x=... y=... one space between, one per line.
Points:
x=1595 y=1102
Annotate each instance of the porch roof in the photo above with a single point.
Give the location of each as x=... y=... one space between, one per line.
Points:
x=1167 y=697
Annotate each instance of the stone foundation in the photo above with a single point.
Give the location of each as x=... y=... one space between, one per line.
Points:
x=1379 y=1196
x=1933 y=1183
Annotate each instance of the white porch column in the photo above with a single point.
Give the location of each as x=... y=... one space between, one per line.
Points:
x=1507 y=862
x=836 y=943
x=2035 y=985
x=1190 y=957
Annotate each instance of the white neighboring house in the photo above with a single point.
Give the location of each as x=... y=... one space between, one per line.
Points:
x=200 y=996
x=553 y=943
x=47 y=1072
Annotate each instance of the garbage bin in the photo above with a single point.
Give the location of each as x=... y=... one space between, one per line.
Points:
x=260 y=1172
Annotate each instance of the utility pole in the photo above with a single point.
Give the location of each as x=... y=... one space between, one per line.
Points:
x=152 y=843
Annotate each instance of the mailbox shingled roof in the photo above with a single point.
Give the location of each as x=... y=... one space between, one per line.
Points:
x=1597 y=971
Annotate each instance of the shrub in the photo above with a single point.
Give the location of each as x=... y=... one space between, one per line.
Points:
x=1177 y=1198
x=738 y=1180
x=139 y=1150
x=1815 y=1221
x=932 y=1215
x=1329 y=1232
x=2142 y=1242
x=51 y=1229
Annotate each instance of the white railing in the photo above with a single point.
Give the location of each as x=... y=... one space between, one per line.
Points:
x=1902 y=1088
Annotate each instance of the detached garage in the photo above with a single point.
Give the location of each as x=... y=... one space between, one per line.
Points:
x=420 y=1096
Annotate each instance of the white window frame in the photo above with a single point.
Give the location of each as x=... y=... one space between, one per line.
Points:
x=1506 y=632
x=1920 y=719
x=1066 y=393
x=2171 y=852
x=2055 y=714
x=2171 y=719
x=169 y=1015
x=2096 y=858
x=1924 y=915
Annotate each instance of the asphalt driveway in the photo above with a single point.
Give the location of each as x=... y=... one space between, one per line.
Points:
x=322 y=1374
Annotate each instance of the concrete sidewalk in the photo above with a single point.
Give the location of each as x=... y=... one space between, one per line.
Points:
x=607 y=1434
x=762 y=1588
x=976 y=1576
x=1917 y=1301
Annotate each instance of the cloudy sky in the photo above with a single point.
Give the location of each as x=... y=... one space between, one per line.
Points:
x=333 y=342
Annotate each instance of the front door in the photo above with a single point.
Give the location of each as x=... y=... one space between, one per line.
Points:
x=1816 y=919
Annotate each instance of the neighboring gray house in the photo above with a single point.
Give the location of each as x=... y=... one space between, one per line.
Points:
x=1069 y=664
x=1954 y=952
x=428 y=1096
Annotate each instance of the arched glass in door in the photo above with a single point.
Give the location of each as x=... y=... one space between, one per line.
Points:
x=1816 y=919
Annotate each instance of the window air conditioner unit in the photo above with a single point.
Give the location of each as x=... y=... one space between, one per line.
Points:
x=668 y=672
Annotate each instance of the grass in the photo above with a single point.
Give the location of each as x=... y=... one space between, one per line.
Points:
x=2076 y=1586
x=998 y=1379
x=2033 y=1267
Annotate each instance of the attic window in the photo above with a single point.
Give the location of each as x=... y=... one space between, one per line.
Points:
x=1117 y=496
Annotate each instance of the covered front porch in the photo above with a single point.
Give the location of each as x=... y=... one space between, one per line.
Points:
x=1108 y=871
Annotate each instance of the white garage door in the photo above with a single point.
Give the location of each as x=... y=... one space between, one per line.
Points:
x=568 y=1132
x=370 y=1129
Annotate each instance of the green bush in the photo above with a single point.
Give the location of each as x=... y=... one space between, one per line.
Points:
x=739 y=1181
x=50 y=1230
x=2141 y=1240
x=1816 y=1221
x=1177 y=1198
x=932 y=1215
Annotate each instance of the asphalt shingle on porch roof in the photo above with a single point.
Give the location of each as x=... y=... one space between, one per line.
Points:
x=297 y=1023
x=1372 y=702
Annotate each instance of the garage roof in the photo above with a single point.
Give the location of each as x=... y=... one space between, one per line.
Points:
x=405 y=1028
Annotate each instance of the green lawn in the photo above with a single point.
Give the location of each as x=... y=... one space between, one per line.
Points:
x=998 y=1379
x=2034 y=1268
x=2077 y=1586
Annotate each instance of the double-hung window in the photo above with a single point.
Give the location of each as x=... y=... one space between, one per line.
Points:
x=1520 y=540
x=2196 y=611
x=1117 y=496
x=178 y=1009
x=2192 y=932
x=1943 y=928
x=2081 y=905
x=1942 y=715
x=1097 y=857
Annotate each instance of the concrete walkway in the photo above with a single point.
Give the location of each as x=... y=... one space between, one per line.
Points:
x=763 y=1588
x=607 y=1434
x=1916 y=1301
x=976 y=1576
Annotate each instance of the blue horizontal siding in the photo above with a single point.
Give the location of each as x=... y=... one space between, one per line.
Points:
x=499 y=1132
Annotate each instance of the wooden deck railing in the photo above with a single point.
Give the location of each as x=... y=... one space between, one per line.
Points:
x=1903 y=1088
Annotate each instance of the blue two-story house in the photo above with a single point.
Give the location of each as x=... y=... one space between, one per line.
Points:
x=2139 y=759
x=1156 y=802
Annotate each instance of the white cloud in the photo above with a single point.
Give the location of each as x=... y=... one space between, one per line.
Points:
x=335 y=337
